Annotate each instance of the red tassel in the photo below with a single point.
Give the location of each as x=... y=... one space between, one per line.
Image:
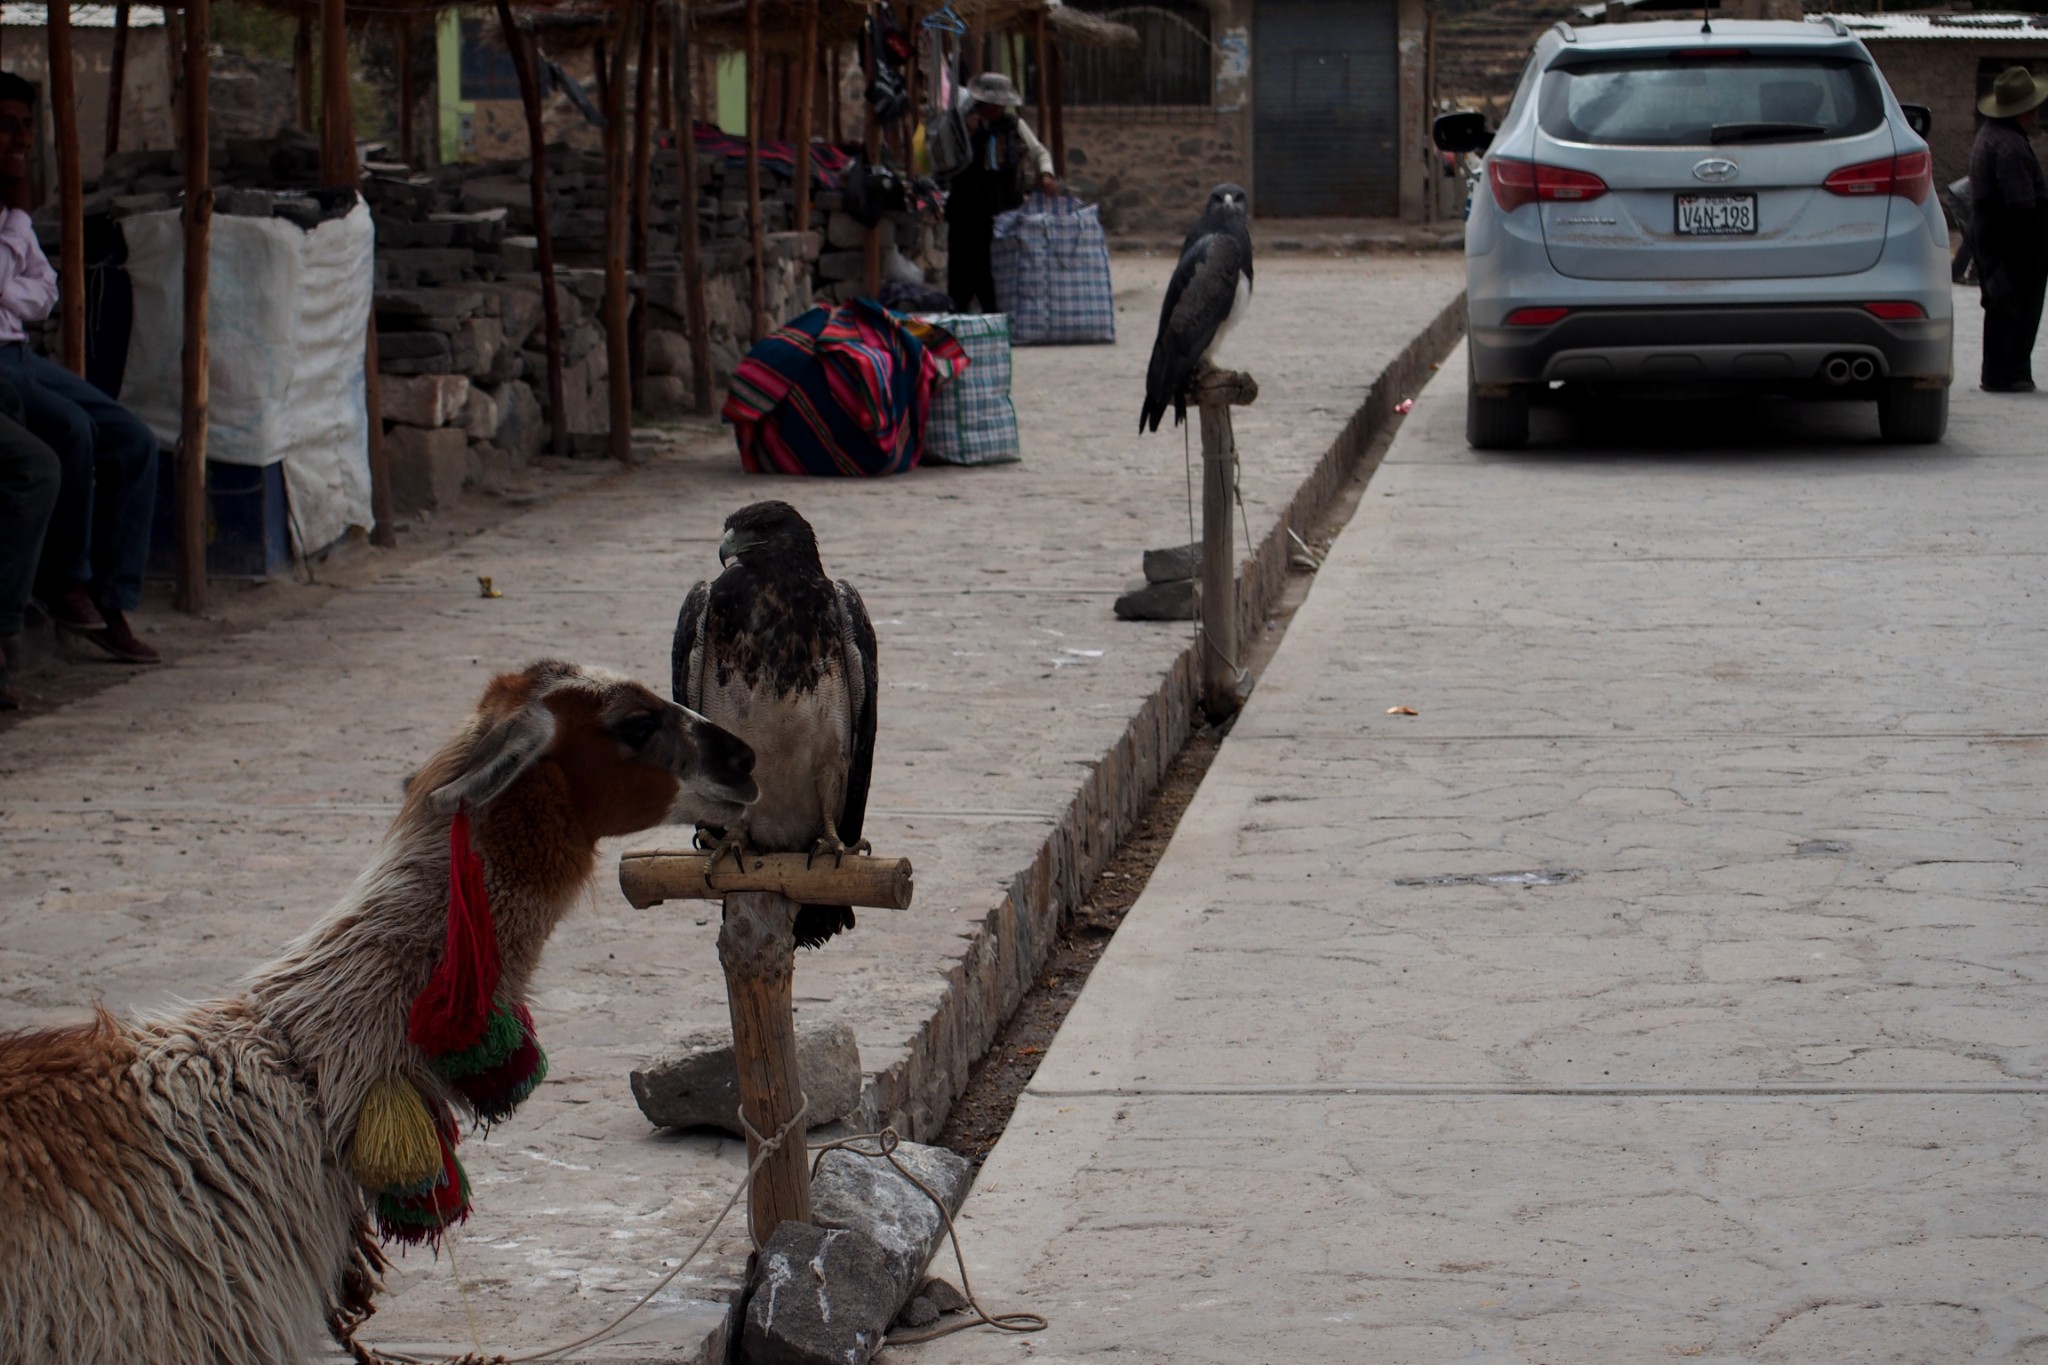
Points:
x=453 y=1011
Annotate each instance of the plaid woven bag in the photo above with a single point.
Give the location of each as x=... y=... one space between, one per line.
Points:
x=1052 y=273
x=972 y=420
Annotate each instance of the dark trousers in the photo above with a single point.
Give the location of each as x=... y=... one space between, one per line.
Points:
x=30 y=475
x=2010 y=326
x=99 y=534
x=970 y=262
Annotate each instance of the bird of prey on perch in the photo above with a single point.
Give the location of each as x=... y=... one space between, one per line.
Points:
x=784 y=657
x=1210 y=291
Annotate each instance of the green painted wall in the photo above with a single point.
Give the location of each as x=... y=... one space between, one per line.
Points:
x=732 y=93
x=453 y=108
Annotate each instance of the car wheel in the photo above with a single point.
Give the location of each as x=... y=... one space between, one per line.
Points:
x=1497 y=421
x=1910 y=416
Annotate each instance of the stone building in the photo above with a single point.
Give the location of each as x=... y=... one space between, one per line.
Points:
x=146 y=122
x=1316 y=106
x=1947 y=62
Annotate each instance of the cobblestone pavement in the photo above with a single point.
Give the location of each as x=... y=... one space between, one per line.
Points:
x=159 y=838
x=1669 y=986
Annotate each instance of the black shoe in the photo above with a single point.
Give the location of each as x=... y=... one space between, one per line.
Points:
x=2017 y=386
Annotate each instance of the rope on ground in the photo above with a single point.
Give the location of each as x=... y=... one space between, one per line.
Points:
x=885 y=1143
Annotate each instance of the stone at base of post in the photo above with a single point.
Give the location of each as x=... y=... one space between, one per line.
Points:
x=757 y=949
x=1216 y=393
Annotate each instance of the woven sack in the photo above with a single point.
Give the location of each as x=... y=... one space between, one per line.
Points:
x=1052 y=273
x=972 y=419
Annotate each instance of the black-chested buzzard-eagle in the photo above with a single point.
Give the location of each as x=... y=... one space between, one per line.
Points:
x=784 y=657
x=1210 y=291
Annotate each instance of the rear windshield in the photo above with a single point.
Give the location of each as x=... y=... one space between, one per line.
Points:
x=1675 y=100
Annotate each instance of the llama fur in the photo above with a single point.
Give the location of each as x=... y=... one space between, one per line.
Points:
x=177 y=1189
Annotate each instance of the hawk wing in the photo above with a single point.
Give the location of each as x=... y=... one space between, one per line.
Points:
x=686 y=655
x=857 y=645
x=1199 y=299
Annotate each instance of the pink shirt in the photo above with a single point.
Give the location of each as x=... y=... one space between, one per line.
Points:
x=28 y=286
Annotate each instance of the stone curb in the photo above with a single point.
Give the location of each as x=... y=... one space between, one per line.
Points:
x=1011 y=942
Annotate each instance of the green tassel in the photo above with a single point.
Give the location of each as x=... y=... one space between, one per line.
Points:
x=503 y=1033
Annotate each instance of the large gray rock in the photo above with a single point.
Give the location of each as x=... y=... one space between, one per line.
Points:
x=699 y=1087
x=522 y=427
x=818 y=1297
x=1172 y=564
x=1173 y=601
x=427 y=467
x=667 y=352
x=869 y=1196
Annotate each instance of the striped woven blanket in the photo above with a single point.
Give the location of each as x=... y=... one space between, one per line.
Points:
x=844 y=391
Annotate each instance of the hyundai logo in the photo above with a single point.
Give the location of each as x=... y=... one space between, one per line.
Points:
x=1716 y=171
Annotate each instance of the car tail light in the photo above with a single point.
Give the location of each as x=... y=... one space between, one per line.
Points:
x=1910 y=175
x=1896 y=310
x=1516 y=183
x=1535 y=317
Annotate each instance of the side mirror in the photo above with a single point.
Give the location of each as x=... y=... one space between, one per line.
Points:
x=1464 y=131
x=1918 y=117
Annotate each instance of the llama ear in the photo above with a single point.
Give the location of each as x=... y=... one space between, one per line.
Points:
x=506 y=751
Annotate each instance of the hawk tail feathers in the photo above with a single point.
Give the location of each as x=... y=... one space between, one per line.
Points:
x=816 y=923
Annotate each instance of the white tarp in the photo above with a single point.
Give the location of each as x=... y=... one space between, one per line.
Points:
x=287 y=311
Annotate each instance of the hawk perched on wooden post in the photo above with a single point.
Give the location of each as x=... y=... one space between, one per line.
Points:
x=1210 y=291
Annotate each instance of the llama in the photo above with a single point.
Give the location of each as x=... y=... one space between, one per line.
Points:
x=191 y=1188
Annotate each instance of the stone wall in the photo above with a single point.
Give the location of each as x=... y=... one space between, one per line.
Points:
x=1151 y=169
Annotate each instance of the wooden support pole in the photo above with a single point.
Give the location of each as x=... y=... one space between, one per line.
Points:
x=337 y=114
x=193 y=388
x=302 y=68
x=871 y=245
x=1216 y=393
x=70 y=186
x=651 y=876
x=757 y=949
x=806 y=113
x=521 y=49
x=664 y=85
x=402 y=39
x=1056 y=131
x=690 y=226
x=618 y=170
x=117 y=78
x=832 y=84
x=1042 y=59
x=643 y=191
x=757 y=272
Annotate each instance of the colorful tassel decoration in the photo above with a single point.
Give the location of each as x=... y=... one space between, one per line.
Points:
x=397 y=1144
x=423 y=1217
x=499 y=1073
x=453 y=1013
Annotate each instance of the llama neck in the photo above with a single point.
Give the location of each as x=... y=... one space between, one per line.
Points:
x=341 y=995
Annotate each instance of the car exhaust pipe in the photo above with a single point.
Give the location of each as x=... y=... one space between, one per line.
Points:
x=1862 y=368
x=1836 y=370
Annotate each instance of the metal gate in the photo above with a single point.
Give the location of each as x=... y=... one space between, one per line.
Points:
x=1326 y=109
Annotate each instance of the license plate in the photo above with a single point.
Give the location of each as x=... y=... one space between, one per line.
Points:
x=1716 y=215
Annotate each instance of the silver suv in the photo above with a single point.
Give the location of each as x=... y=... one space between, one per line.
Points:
x=1672 y=204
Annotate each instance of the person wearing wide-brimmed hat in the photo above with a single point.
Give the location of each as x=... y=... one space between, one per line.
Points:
x=1007 y=159
x=2009 y=228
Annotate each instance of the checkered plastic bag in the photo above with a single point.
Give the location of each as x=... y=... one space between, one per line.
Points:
x=972 y=420
x=1052 y=273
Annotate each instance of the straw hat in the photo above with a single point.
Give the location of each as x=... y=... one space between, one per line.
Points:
x=993 y=87
x=2013 y=93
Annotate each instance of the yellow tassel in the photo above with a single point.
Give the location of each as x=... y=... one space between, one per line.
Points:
x=396 y=1146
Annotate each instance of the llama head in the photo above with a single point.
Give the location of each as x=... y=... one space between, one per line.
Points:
x=619 y=757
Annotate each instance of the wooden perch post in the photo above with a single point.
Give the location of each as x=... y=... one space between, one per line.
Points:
x=757 y=948
x=520 y=46
x=1216 y=393
x=193 y=390
x=690 y=225
x=70 y=187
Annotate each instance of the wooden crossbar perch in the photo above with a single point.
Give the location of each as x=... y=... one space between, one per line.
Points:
x=757 y=949
x=656 y=875
x=1216 y=393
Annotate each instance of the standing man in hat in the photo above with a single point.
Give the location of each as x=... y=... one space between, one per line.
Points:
x=1007 y=158
x=2009 y=228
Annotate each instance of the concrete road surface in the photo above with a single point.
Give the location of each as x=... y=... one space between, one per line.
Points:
x=1669 y=987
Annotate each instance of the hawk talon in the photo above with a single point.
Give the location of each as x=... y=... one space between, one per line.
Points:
x=829 y=843
x=734 y=844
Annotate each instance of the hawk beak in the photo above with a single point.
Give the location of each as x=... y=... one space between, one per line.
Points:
x=727 y=549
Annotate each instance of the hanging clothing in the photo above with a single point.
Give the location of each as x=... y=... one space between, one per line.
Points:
x=844 y=391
